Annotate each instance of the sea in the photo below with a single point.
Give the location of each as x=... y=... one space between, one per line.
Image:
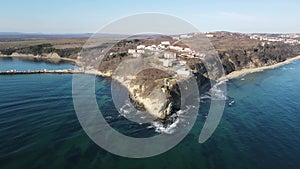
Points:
x=39 y=129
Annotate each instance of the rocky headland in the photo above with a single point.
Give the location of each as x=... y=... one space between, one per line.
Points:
x=156 y=89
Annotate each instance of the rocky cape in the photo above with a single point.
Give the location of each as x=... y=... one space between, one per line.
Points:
x=149 y=88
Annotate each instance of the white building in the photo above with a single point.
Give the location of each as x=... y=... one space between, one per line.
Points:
x=176 y=38
x=170 y=55
x=185 y=36
x=140 y=47
x=165 y=42
x=291 y=41
x=183 y=72
x=136 y=55
x=140 y=51
x=160 y=46
x=177 y=48
x=152 y=48
x=131 y=51
x=167 y=63
x=187 y=50
x=209 y=35
x=182 y=62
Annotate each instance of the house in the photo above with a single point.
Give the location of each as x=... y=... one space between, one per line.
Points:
x=170 y=55
x=176 y=38
x=209 y=35
x=160 y=46
x=165 y=43
x=167 y=63
x=185 y=36
x=187 y=50
x=177 y=48
x=183 y=71
x=182 y=62
x=149 y=48
x=136 y=55
x=140 y=51
x=152 y=48
x=131 y=51
x=140 y=47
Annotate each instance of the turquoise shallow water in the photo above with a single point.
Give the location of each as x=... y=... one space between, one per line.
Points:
x=39 y=128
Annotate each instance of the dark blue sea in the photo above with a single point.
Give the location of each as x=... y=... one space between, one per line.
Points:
x=259 y=130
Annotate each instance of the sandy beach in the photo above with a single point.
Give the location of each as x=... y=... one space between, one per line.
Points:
x=239 y=73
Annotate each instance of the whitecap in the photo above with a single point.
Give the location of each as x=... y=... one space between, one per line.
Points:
x=179 y=118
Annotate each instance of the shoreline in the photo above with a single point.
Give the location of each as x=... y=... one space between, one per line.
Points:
x=243 y=72
x=53 y=59
x=232 y=75
x=151 y=104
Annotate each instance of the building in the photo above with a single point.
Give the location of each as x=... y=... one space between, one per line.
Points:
x=187 y=50
x=140 y=51
x=165 y=43
x=170 y=55
x=209 y=35
x=177 y=48
x=131 y=51
x=167 y=63
x=160 y=46
x=152 y=48
x=136 y=55
x=182 y=71
x=185 y=36
x=182 y=62
x=140 y=47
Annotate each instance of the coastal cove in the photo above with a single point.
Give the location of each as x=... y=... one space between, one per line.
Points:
x=25 y=63
x=260 y=130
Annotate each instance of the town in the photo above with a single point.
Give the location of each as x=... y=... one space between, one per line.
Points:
x=285 y=38
x=171 y=57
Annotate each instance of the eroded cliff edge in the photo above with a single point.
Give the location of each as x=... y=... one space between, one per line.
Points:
x=158 y=91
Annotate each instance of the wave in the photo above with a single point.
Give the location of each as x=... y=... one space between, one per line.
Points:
x=216 y=92
x=288 y=68
x=130 y=112
x=173 y=122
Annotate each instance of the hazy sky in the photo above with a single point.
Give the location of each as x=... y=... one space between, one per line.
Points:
x=82 y=16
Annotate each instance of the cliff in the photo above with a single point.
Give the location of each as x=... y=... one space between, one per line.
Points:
x=149 y=89
x=257 y=56
x=158 y=91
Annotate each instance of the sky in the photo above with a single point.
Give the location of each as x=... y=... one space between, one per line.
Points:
x=88 y=16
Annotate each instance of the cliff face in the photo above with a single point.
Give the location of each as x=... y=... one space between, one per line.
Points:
x=159 y=93
x=157 y=90
x=258 y=56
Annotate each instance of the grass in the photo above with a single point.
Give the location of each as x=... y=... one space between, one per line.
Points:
x=57 y=43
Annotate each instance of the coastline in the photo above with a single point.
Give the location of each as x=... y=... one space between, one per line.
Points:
x=155 y=103
x=243 y=72
x=232 y=75
x=52 y=57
